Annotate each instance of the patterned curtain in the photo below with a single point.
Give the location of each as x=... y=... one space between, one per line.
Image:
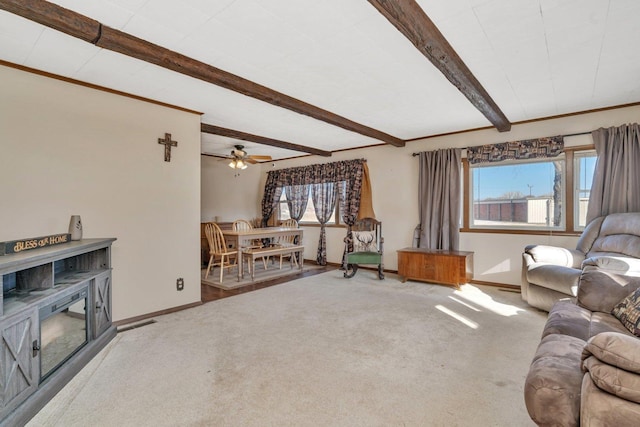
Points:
x=271 y=197
x=516 y=150
x=347 y=173
x=324 y=202
x=346 y=170
x=297 y=198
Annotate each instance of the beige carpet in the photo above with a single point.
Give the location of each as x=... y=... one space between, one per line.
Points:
x=317 y=351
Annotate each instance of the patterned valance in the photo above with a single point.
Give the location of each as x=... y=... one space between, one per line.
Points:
x=316 y=174
x=519 y=150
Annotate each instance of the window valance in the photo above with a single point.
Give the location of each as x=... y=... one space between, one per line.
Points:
x=550 y=146
x=316 y=174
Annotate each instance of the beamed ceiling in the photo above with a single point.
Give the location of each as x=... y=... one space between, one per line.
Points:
x=290 y=77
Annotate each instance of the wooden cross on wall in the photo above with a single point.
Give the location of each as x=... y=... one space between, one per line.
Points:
x=168 y=143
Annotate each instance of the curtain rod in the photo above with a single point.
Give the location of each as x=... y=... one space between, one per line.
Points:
x=571 y=134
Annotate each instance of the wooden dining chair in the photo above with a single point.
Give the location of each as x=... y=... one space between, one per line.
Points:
x=288 y=240
x=218 y=249
x=244 y=225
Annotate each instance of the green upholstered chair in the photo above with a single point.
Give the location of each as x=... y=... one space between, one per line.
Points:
x=363 y=246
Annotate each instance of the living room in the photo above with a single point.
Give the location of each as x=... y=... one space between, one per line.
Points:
x=71 y=148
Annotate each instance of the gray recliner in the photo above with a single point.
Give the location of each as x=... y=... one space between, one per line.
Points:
x=551 y=273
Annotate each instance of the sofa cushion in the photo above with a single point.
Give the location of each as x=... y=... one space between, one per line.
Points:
x=619 y=234
x=613 y=380
x=628 y=312
x=566 y=318
x=552 y=387
x=600 y=408
x=601 y=290
x=605 y=322
x=616 y=349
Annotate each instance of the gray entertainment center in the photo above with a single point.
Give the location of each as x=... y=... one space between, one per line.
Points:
x=55 y=316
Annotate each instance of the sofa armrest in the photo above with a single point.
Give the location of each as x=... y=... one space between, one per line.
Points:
x=600 y=289
x=554 y=255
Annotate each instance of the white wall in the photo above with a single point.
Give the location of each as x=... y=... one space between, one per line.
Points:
x=394 y=177
x=229 y=194
x=67 y=149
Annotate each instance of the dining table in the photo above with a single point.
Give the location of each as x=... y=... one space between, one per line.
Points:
x=244 y=238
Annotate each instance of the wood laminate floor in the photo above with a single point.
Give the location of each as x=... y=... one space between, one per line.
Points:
x=210 y=293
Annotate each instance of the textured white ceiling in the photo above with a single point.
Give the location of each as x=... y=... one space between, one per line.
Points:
x=535 y=58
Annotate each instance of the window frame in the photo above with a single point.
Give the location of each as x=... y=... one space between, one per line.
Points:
x=570 y=226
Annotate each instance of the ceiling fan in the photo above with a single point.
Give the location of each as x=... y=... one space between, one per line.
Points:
x=240 y=158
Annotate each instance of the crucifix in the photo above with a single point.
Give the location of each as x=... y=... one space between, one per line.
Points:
x=168 y=143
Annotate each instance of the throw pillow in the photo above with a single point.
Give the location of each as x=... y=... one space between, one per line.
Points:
x=364 y=241
x=627 y=311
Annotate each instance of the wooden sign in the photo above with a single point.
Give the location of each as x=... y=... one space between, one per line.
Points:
x=16 y=246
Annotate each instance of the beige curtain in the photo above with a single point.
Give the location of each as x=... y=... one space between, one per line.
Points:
x=366 y=197
x=439 y=199
x=616 y=180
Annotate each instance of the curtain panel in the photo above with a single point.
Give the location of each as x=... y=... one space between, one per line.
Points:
x=550 y=146
x=297 y=198
x=324 y=202
x=439 y=199
x=616 y=180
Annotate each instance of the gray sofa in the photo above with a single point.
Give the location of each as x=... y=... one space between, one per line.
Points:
x=551 y=273
x=586 y=370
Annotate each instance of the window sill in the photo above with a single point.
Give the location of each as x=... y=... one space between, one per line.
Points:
x=315 y=224
x=520 y=231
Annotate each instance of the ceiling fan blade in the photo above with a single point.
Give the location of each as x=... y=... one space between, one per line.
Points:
x=250 y=160
x=260 y=157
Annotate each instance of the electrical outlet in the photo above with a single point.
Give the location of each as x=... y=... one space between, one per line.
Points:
x=180 y=284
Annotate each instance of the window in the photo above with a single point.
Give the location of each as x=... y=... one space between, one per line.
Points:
x=309 y=216
x=583 y=167
x=543 y=194
x=518 y=194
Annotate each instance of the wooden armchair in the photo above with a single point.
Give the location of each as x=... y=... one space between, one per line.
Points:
x=364 y=245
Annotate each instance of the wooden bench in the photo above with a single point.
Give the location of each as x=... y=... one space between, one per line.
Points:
x=292 y=250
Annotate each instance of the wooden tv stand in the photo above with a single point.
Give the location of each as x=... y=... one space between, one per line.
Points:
x=438 y=266
x=72 y=278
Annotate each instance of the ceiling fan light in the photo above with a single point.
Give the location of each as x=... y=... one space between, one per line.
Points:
x=232 y=165
x=240 y=164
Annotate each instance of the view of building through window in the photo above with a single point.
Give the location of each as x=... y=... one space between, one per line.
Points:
x=529 y=194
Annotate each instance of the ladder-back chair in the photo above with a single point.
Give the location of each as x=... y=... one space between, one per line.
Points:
x=363 y=245
x=218 y=249
x=288 y=240
x=244 y=225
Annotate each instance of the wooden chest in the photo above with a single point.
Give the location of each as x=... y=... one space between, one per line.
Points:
x=438 y=266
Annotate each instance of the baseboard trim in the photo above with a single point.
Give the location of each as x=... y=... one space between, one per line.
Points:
x=156 y=313
x=496 y=284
